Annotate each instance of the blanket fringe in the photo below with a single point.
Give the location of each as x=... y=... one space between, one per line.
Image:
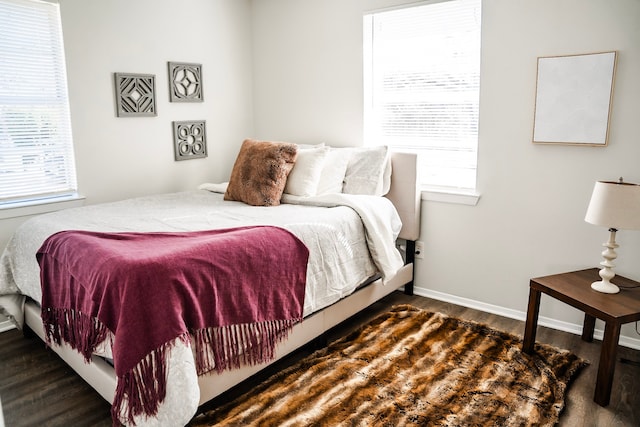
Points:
x=233 y=346
x=141 y=390
x=82 y=332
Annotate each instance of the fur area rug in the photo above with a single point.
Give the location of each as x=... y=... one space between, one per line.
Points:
x=411 y=367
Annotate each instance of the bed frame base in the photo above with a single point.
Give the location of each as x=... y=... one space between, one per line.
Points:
x=98 y=373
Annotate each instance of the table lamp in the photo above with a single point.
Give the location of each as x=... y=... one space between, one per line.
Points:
x=615 y=205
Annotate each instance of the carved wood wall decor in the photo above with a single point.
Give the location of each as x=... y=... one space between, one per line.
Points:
x=135 y=94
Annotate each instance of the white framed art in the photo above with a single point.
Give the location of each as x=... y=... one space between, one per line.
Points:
x=574 y=94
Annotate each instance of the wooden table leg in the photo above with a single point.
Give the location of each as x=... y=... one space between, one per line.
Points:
x=607 y=365
x=588 y=327
x=532 y=321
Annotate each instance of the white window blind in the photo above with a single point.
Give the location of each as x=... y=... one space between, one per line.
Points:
x=422 y=83
x=36 y=147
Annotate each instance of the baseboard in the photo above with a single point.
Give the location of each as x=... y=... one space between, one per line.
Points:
x=573 y=328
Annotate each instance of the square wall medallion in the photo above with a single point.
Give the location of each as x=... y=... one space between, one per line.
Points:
x=190 y=140
x=185 y=82
x=135 y=94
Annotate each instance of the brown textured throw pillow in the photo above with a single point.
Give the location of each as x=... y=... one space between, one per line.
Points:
x=260 y=172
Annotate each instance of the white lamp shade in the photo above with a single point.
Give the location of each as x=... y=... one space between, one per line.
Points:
x=615 y=205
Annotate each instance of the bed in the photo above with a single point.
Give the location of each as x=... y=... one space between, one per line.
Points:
x=354 y=226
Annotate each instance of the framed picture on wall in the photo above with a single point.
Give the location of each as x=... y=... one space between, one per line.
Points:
x=185 y=82
x=190 y=139
x=135 y=95
x=573 y=99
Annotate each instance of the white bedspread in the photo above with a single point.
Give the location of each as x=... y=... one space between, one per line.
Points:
x=349 y=238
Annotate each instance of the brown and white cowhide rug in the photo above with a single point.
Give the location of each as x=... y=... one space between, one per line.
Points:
x=411 y=367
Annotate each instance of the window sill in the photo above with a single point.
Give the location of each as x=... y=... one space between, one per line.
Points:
x=460 y=197
x=40 y=206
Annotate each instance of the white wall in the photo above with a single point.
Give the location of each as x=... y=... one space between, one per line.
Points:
x=122 y=157
x=529 y=221
x=308 y=70
x=125 y=157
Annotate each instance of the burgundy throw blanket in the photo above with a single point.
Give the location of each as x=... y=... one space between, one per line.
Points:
x=150 y=289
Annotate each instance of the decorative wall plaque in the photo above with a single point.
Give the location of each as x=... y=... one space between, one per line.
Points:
x=135 y=94
x=185 y=82
x=190 y=140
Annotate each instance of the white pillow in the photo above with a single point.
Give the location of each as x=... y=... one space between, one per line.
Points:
x=368 y=172
x=309 y=146
x=304 y=177
x=335 y=168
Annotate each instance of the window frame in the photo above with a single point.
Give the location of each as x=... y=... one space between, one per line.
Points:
x=431 y=191
x=46 y=111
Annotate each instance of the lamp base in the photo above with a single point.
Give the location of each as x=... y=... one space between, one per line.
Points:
x=606 y=273
x=605 y=286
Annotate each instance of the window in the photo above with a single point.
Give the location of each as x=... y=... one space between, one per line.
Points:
x=422 y=84
x=36 y=148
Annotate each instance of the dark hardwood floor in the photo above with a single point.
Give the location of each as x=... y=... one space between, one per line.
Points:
x=38 y=389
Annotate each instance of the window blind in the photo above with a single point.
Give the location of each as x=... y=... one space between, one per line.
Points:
x=422 y=83
x=36 y=148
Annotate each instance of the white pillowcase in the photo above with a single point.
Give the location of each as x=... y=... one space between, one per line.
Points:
x=335 y=168
x=304 y=177
x=368 y=172
x=309 y=146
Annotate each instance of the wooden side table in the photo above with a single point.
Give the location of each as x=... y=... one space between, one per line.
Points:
x=574 y=288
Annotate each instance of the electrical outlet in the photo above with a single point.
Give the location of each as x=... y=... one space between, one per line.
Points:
x=419 y=249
